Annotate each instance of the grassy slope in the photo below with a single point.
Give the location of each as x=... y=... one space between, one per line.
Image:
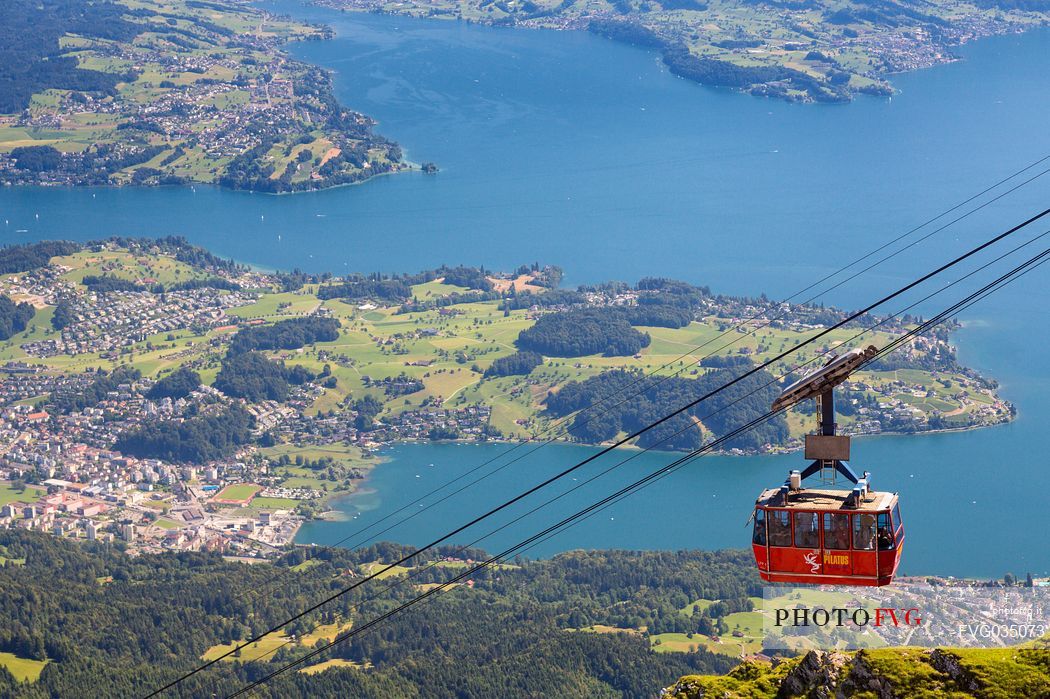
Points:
x=999 y=673
x=23 y=669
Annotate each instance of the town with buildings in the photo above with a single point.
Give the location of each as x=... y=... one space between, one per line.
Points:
x=199 y=96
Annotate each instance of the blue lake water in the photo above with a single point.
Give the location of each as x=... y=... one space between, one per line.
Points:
x=569 y=149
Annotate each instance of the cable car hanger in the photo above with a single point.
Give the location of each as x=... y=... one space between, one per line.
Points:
x=827 y=449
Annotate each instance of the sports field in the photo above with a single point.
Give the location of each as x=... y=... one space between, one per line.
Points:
x=237 y=494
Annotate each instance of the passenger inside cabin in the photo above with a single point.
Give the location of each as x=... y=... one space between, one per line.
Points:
x=885 y=534
x=836 y=531
x=806 y=530
x=779 y=528
x=864 y=532
x=759 y=536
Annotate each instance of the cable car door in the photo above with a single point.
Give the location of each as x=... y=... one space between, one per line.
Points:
x=864 y=555
x=836 y=557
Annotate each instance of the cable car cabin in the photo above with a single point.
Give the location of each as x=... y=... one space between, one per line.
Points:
x=829 y=537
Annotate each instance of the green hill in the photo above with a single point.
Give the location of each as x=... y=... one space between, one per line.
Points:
x=880 y=674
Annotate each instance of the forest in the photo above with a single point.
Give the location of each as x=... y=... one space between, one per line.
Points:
x=508 y=635
x=14 y=317
x=387 y=290
x=104 y=284
x=519 y=363
x=652 y=397
x=178 y=384
x=254 y=377
x=197 y=440
x=285 y=334
x=577 y=333
x=24 y=258
x=63 y=315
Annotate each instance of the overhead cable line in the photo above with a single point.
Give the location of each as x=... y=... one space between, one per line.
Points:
x=620 y=442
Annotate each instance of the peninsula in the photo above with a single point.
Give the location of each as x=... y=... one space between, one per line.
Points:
x=798 y=50
x=152 y=392
x=170 y=92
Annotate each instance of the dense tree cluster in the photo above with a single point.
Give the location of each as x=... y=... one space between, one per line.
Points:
x=725 y=361
x=36 y=158
x=14 y=317
x=658 y=315
x=254 y=377
x=104 y=283
x=24 y=258
x=289 y=334
x=470 y=277
x=630 y=400
x=519 y=363
x=178 y=384
x=390 y=291
x=576 y=333
x=64 y=314
x=95 y=391
x=555 y=297
x=681 y=292
x=195 y=440
x=660 y=303
x=506 y=636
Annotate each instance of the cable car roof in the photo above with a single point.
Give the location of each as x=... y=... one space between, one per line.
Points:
x=827 y=499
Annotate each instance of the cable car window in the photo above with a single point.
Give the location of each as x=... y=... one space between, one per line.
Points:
x=759 y=537
x=779 y=524
x=807 y=526
x=836 y=531
x=897 y=517
x=864 y=532
x=885 y=532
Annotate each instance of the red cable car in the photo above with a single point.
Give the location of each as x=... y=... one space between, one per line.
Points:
x=827 y=536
